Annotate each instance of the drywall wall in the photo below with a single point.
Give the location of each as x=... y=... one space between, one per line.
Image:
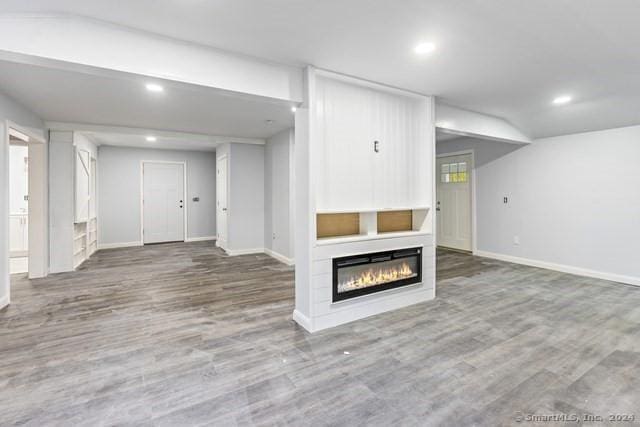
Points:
x=573 y=201
x=14 y=112
x=61 y=197
x=119 y=193
x=245 y=219
x=246 y=197
x=278 y=206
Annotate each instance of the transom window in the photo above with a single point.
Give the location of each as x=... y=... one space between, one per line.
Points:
x=454 y=172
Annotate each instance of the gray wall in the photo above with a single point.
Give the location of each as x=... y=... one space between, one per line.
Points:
x=61 y=197
x=573 y=200
x=119 y=192
x=246 y=197
x=13 y=111
x=278 y=163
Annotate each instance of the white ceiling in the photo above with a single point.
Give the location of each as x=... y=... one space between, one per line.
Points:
x=507 y=58
x=64 y=96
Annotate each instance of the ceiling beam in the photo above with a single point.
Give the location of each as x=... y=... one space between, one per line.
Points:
x=88 y=45
x=456 y=121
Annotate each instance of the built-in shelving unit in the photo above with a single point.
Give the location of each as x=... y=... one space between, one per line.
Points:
x=92 y=236
x=79 y=243
x=85 y=241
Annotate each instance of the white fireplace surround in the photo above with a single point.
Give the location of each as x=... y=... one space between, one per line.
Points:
x=340 y=169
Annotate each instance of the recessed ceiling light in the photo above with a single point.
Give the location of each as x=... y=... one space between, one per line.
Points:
x=151 y=139
x=294 y=109
x=154 y=87
x=564 y=99
x=269 y=122
x=424 y=48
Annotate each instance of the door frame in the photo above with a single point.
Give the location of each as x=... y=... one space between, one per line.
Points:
x=474 y=240
x=225 y=244
x=184 y=183
x=38 y=203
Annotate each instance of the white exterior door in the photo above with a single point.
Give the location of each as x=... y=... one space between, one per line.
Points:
x=453 y=206
x=222 y=208
x=163 y=202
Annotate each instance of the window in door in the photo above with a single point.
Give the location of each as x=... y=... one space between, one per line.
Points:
x=454 y=173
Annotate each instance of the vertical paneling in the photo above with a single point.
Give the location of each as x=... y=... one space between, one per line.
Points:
x=350 y=175
x=344 y=160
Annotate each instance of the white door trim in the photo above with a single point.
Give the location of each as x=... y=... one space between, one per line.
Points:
x=224 y=244
x=38 y=236
x=474 y=240
x=184 y=183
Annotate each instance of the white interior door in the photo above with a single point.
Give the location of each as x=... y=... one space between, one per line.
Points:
x=222 y=198
x=163 y=202
x=453 y=209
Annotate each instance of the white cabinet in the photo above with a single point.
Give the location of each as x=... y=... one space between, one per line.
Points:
x=374 y=149
x=18 y=234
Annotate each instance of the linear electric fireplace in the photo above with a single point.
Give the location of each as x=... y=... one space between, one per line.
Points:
x=358 y=275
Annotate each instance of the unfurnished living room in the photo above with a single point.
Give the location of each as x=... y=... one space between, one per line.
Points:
x=319 y=213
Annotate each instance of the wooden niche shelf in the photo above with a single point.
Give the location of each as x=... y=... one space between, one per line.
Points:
x=337 y=224
x=393 y=221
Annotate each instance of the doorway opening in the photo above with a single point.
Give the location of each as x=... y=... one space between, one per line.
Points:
x=25 y=214
x=454 y=201
x=18 y=203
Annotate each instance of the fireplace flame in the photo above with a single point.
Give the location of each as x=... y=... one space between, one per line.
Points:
x=373 y=277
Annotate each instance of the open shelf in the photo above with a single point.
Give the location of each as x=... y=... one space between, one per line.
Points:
x=365 y=210
x=364 y=237
x=370 y=225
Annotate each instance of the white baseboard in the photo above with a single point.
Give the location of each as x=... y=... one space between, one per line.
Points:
x=279 y=257
x=4 y=301
x=200 y=239
x=118 y=245
x=302 y=320
x=629 y=280
x=236 y=252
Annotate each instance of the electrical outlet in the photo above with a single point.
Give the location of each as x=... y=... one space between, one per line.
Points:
x=516 y=240
x=274 y=236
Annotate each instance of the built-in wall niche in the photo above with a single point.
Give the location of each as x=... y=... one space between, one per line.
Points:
x=393 y=221
x=338 y=227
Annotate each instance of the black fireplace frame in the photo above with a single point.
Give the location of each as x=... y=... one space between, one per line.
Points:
x=373 y=258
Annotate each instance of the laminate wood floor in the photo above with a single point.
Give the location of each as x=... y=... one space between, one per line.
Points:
x=180 y=335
